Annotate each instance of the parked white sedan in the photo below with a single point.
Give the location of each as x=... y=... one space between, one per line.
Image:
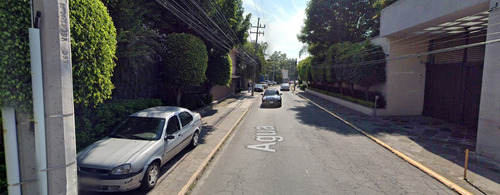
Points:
x=132 y=155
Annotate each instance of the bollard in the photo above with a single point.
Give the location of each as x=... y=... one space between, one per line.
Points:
x=466 y=163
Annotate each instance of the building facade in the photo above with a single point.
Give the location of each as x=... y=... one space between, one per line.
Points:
x=443 y=61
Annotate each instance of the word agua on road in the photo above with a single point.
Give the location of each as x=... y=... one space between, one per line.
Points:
x=266 y=134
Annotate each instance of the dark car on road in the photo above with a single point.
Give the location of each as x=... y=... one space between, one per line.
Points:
x=271 y=97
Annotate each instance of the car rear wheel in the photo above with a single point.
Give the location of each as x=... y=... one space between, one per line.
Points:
x=151 y=176
x=194 y=140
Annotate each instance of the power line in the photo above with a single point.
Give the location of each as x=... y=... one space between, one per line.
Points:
x=197 y=18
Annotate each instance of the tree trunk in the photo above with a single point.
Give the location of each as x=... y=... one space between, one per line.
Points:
x=351 y=88
x=366 y=93
x=178 y=96
x=341 y=91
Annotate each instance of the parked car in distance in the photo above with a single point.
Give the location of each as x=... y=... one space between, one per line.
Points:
x=132 y=155
x=258 y=87
x=285 y=87
x=271 y=97
x=264 y=84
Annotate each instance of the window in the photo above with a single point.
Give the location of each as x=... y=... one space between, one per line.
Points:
x=186 y=118
x=173 y=125
x=143 y=128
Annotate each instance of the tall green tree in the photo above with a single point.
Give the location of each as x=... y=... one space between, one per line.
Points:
x=185 y=62
x=137 y=71
x=228 y=15
x=332 y=21
x=303 y=68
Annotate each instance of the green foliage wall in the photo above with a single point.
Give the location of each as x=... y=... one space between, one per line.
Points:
x=93 y=42
x=304 y=68
x=15 y=77
x=92 y=124
x=93 y=47
x=186 y=60
x=219 y=69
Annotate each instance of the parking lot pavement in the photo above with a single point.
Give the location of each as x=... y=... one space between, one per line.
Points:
x=438 y=145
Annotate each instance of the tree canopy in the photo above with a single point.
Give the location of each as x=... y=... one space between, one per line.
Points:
x=333 y=21
x=185 y=61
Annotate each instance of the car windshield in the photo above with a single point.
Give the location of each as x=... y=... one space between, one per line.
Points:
x=285 y=85
x=270 y=92
x=258 y=85
x=141 y=128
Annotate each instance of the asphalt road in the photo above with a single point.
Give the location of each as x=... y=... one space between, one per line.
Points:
x=299 y=149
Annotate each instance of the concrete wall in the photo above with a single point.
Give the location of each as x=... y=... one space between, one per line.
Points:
x=221 y=92
x=488 y=133
x=409 y=15
x=405 y=85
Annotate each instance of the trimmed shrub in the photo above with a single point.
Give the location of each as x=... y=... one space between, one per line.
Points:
x=3 y=171
x=15 y=79
x=186 y=62
x=219 y=69
x=92 y=124
x=93 y=47
x=93 y=44
x=358 y=99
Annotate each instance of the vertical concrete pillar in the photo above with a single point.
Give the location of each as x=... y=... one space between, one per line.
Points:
x=488 y=132
x=58 y=96
x=26 y=150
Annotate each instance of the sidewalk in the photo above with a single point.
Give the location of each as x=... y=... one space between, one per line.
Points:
x=438 y=145
x=218 y=123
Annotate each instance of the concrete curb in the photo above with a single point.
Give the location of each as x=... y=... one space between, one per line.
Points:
x=420 y=166
x=202 y=166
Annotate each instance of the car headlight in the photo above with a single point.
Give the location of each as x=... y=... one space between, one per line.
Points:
x=121 y=170
x=279 y=98
x=264 y=98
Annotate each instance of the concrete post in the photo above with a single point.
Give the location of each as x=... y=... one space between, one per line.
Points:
x=58 y=95
x=488 y=130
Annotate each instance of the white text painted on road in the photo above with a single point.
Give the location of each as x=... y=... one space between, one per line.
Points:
x=268 y=135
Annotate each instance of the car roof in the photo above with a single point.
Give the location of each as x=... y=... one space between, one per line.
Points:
x=158 y=112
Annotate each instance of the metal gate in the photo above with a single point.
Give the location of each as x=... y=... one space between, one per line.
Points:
x=453 y=79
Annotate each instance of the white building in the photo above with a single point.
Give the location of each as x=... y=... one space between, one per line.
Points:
x=444 y=62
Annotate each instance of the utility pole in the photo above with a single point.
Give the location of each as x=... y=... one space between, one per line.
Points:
x=257 y=33
x=58 y=96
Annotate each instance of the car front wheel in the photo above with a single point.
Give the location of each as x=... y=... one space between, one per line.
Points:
x=194 y=140
x=151 y=176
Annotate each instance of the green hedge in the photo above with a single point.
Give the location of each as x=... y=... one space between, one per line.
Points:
x=92 y=124
x=3 y=171
x=347 y=98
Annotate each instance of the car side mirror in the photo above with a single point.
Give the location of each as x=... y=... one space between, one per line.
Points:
x=281 y=93
x=170 y=137
x=262 y=94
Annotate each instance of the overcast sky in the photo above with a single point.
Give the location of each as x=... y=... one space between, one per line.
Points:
x=283 y=20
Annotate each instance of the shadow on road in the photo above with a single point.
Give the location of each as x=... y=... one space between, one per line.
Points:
x=441 y=138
